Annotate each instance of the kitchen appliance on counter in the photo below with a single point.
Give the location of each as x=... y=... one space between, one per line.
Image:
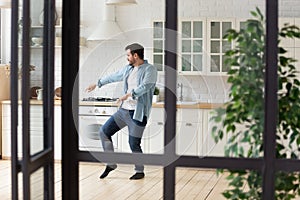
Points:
x=100 y=99
x=91 y=118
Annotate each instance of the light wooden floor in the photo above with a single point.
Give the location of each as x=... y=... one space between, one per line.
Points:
x=190 y=183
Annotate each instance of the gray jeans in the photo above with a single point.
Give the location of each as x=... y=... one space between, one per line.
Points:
x=118 y=121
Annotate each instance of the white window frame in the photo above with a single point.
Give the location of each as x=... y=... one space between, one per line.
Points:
x=163 y=45
x=209 y=39
x=203 y=53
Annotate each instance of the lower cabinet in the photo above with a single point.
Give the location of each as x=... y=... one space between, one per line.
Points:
x=193 y=133
x=36 y=131
x=154 y=133
x=210 y=147
x=188 y=128
x=153 y=137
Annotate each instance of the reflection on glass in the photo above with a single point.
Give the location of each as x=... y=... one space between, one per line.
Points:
x=158 y=30
x=215 y=47
x=197 y=29
x=226 y=46
x=158 y=62
x=215 y=63
x=197 y=46
x=186 y=46
x=37 y=184
x=36 y=129
x=186 y=63
x=225 y=67
x=285 y=182
x=158 y=46
x=198 y=183
x=242 y=183
x=186 y=29
x=197 y=62
x=242 y=25
x=225 y=27
x=215 y=30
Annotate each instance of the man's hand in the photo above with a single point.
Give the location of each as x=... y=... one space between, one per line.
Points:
x=91 y=88
x=123 y=98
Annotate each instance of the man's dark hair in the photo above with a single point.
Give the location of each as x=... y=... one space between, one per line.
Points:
x=136 y=48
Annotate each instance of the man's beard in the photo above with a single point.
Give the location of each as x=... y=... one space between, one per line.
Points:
x=131 y=62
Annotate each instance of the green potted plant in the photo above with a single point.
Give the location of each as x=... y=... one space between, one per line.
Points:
x=246 y=109
x=155 y=95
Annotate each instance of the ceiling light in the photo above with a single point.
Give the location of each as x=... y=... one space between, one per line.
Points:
x=120 y=2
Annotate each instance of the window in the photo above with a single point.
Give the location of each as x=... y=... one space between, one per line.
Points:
x=191 y=47
x=217 y=45
x=158 y=45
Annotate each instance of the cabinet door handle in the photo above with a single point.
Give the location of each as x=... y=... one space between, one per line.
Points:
x=160 y=123
x=188 y=124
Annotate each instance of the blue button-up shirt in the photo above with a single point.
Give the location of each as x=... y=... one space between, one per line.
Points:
x=146 y=80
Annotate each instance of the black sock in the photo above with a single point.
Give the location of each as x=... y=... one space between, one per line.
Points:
x=138 y=175
x=107 y=170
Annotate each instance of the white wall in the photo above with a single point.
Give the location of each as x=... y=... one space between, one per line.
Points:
x=136 y=20
x=100 y=58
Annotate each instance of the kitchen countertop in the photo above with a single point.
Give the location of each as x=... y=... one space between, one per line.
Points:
x=114 y=104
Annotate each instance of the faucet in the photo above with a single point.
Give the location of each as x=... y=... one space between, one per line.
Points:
x=180 y=85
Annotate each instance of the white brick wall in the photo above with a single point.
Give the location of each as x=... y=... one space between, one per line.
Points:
x=98 y=59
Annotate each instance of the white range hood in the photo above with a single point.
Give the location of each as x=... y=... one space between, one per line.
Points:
x=5 y=3
x=120 y=2
x=108 y=28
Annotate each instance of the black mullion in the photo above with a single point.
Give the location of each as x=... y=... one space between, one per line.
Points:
x=40 y=159
x=70 y=57
x=25 y=99
x=288 y=165
x=170 y=98
x=48 y=94
x=270 y=100
x=182 y=161
x=220 y=162
x=15 y=165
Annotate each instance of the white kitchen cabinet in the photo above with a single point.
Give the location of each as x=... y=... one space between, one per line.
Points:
x=36 y=130
x=123 y=141
x=57 y=132
x=153 y=137
x=154 y=134
x=123 y=137
x=193 y=132
x=188 y=128
x=209 y=147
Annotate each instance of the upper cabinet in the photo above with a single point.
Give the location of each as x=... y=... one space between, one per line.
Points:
x=191 y=51
x=200 y=49
x=201 y=45
x=158 y=45
x=217 y=46
x=37 y=37
x=37 y=25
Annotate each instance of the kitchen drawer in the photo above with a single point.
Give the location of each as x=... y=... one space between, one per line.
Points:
x=36 y=144
x=189 y=115
x=36 y=124
x=35 y=111
x=157 y=114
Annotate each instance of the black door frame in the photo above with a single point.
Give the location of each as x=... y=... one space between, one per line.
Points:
x=28 y=164
x=71 y=156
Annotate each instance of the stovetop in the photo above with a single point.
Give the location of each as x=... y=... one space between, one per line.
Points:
x=100 y=99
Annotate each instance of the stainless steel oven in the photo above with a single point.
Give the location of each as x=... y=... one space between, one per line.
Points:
x=91 y=118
